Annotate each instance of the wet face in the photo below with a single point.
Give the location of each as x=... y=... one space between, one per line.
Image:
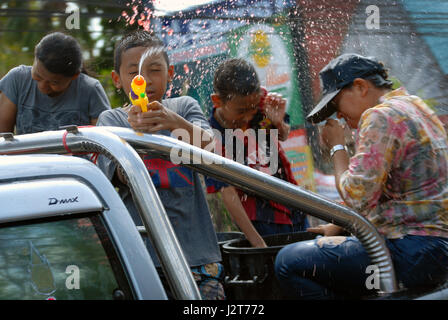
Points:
x=154 y=69
x=51 y=84
x=238 y=111
x=348 y=103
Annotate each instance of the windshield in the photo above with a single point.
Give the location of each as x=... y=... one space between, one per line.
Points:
x=59 y=260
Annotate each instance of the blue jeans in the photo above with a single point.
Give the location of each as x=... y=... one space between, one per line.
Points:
x=335 y=267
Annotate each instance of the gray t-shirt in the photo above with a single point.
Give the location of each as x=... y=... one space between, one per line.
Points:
x=84 y=99
x=179 y=189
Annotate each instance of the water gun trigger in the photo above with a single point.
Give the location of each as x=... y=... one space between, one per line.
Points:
x=137 y=95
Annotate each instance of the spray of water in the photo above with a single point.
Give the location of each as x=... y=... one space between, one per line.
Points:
x=142 y=17
x=150 y=52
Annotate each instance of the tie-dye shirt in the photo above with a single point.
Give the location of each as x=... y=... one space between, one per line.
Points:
x=398 y=177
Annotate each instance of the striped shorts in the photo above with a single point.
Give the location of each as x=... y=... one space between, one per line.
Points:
x=209 y=279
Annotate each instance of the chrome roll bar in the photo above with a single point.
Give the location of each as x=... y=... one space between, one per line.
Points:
x=151 y=209
x=243 y=177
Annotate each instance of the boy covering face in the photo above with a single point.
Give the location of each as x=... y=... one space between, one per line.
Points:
x=240 y=103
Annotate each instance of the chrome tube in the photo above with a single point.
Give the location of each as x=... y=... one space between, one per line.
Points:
x=258 y=183
x=144 y=193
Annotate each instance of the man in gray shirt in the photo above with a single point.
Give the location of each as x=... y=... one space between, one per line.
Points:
x=53 y=92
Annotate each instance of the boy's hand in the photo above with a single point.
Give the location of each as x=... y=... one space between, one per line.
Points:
x=155 y=119
x=328 y=230
x=275 y=108
x=332 y=134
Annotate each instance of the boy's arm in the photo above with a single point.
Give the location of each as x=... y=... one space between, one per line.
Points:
x=8 y=111
x=10 y=89
x=160 y=118
x=238 y=214
x=283 y=130
x=275 y=108
x=193 y=130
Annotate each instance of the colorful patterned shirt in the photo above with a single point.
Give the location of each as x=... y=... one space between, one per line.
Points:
x=398 y=177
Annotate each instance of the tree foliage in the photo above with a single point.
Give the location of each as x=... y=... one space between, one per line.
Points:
x=24 y=23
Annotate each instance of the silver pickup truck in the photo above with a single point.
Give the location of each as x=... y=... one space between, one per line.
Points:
x=65 y=233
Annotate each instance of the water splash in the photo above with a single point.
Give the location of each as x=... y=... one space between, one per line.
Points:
x=186 y=69
x=41 y=275
x=150 y=52
x=143 y=18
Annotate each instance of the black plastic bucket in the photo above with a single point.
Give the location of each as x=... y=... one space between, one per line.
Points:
x=223 y=238
x=250 y=272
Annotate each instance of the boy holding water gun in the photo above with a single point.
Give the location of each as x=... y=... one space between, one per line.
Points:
x=179 y=188
x=240 y=103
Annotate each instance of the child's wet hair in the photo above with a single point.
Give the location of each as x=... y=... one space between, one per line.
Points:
x=235 y=77
x=380 y=83
x=60 y=54
x=137 y=38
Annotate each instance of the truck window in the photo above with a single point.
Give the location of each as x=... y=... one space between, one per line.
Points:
x=63 y=259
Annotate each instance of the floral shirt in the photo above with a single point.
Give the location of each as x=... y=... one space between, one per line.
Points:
x=398 y=177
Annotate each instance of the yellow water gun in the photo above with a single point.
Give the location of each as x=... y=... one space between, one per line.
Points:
x=137 y=95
